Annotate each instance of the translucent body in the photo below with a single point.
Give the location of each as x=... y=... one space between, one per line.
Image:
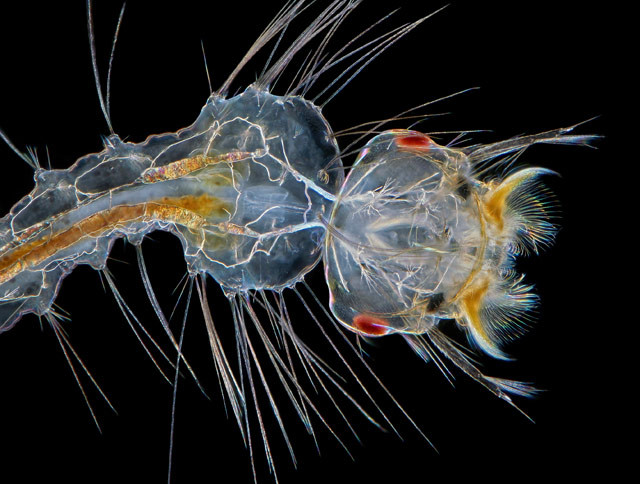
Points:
x=417 y=382
x=240 y=188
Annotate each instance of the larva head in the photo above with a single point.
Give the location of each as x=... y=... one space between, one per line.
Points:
x=413 y=238
x=403 y=235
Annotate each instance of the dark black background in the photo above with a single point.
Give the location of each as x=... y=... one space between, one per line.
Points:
x=539 y=66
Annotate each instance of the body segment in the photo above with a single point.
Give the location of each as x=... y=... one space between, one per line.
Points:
x=240 y=188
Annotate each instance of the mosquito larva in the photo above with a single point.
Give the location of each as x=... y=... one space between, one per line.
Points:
x=247 y=190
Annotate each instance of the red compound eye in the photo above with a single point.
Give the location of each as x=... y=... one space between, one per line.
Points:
x=370 y=325
x=415 y=141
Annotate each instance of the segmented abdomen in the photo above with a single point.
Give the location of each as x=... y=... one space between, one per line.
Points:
x=240 y=188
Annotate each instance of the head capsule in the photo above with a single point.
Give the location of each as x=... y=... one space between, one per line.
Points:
x=403 y=235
